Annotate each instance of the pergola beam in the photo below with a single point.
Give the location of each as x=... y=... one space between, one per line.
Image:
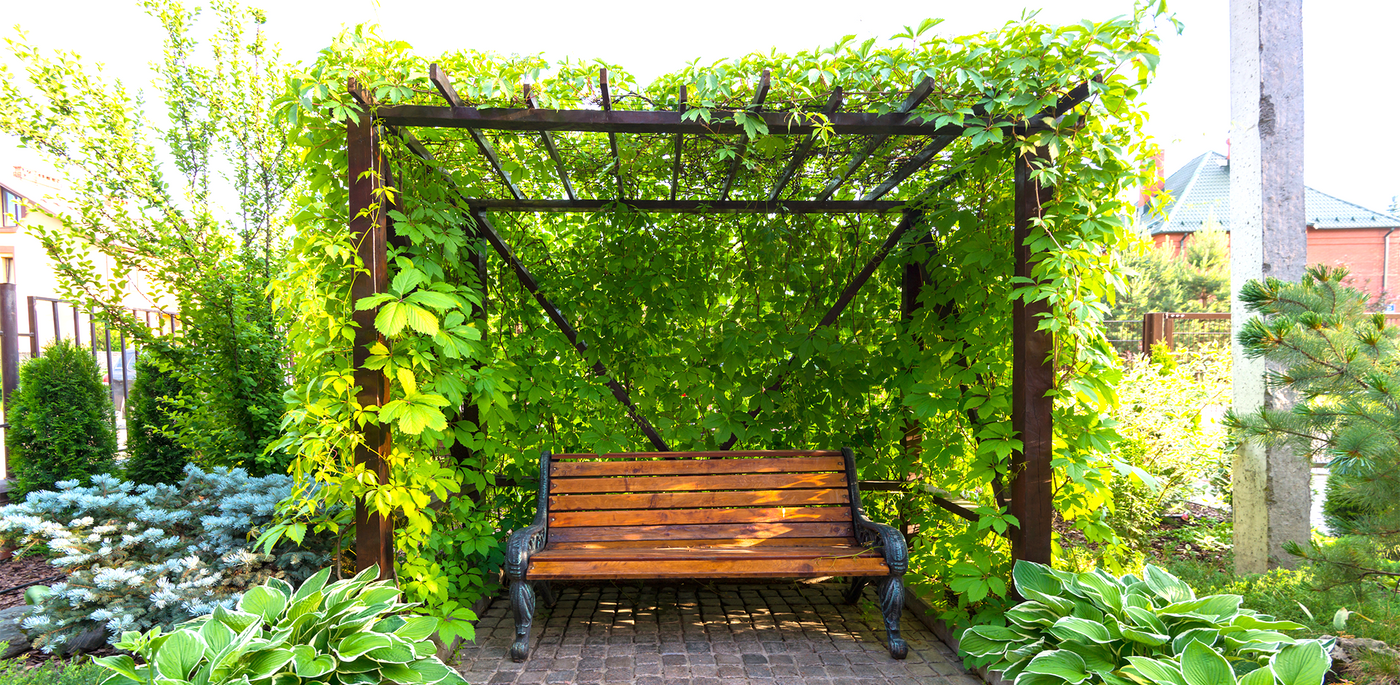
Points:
x=915 y=99
x=757 y=106
x=553 y=151
x=693 y=206
x=612 y=136
x=833 y=103
x=528 y=280
x=444 y=87
x=670 y=122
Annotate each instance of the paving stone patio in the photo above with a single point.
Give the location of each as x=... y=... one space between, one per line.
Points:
x=698 y=634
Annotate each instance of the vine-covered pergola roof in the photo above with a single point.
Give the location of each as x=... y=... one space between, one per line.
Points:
x=765 y=158
x=805 y=156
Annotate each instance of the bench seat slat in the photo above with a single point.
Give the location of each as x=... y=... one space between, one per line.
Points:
x=693 y=500
x=710 y=553
x=761 y=481
x=703 y=544
x=724 y=568
x=681 y=456
x=704 y=532
x=663 y=517
x=667 y=467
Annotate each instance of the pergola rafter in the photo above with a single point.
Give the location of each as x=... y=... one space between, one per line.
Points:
x=1033 y=373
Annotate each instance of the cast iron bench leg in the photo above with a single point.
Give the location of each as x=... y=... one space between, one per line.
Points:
x=522 y=597
x=892 y=605
x=857 y=584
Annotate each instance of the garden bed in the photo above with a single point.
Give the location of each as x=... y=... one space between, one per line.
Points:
x=18 y=573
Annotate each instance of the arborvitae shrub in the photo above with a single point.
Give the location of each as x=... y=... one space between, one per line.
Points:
x=61 y=420
x=155 y=455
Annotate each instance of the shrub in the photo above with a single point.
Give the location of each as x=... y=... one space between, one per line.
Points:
x=1171 y=445
x=151 y=555
x=1339 y=510
x=1094 y=628
x=349 y=632
x=62 y=425
x=154 y=453
x=18 y=672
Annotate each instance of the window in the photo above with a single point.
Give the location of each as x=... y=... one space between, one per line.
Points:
x=13 y=208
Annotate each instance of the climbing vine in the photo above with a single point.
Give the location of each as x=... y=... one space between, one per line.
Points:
x=697 y=314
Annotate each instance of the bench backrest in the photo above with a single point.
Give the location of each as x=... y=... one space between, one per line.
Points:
x=658 y=499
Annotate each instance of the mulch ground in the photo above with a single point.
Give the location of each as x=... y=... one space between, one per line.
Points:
x=15 y=573
x=1160 y=546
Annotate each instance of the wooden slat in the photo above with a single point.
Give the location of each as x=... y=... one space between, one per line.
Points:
x=718 y=542
x=668 y=467
x=652 y=568
x=706 y=553
x=699 y=455
x=766 y=481
x=695 y=500
x=675 y=517
x=753 y=531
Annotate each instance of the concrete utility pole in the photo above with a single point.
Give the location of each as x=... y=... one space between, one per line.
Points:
x=1268 y=227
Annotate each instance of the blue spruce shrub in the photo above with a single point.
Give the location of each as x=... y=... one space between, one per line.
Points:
x=61 y=421
x=140 y=556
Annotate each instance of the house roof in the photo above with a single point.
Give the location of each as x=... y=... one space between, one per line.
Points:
x=37 y=189
x=1200 y=194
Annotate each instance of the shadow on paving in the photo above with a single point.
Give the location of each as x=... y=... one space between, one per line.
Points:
x=706 y=634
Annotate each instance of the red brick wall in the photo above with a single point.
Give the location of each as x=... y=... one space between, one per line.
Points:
x=1362 y=250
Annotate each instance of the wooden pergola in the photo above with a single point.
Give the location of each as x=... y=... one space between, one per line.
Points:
x=863 y=133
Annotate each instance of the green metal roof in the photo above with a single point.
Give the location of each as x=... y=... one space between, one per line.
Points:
x=1200 y=194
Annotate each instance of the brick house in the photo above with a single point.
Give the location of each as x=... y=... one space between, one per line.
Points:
x=1339 y=232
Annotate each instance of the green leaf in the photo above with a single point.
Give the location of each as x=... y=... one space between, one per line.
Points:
x=308 y=664
x=986 y=640
x=417 y=628
x=1303 y=663
x=396 y=654
x=179 y=654
x=1157 y=670
x=400 y=673
x=264 y=662
x=1060 y=663
x=1201 y=665
x=1081 y=630
x=216 y=636
x=1254 y=622
x=263 y=601
x=358 y=644
x=237 y=621
x=313 y=584
x=1166 y=585
x=1259 y=676
x=1029 y=575
x=122 y=664
x=430 y=670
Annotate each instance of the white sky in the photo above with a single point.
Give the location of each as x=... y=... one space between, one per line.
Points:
x=1348 y=52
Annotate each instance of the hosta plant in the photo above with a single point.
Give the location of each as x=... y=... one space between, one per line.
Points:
x=1096 y=628
x=350 y=632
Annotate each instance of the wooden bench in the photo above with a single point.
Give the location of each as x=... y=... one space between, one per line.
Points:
x=668 y=515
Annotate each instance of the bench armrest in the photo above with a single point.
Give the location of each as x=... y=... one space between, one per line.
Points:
x=870 y=533
x=531 y=538
x=887 y=538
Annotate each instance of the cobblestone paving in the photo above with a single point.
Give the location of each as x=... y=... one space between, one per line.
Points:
x=693 y=634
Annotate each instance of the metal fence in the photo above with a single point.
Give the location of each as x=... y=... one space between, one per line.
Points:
x=1178 y=330
x=48 y=319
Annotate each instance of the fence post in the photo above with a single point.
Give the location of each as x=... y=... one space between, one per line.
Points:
x=1169 y=330
x=1153 y=330
x=9 y=341
x=9 y=359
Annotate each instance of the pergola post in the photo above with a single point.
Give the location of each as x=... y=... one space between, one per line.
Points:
x=374 y=537
x=1032 y=378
